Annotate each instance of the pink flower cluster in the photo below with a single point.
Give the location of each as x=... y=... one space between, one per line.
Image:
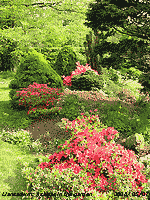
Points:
x=36 y=95
x=80 y=69
x=106 y=166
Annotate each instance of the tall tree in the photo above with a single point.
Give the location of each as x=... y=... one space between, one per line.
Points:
x=130 y=18
x=115 y=13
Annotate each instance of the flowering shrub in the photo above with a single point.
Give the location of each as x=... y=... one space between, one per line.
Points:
x=89 y=161
x=35 y=96
x=80 y=69
x=110 y=87
x=82 y=121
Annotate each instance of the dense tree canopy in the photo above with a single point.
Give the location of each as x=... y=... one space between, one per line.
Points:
x=115 y=13
x=130 y=18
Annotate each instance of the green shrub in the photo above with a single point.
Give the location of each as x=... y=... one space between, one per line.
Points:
x=132 y=86
x=111 y=88
x=131 y=73
x=114 y=87
x=66 y=61
x=70 y=107
x=85 y=81
x=44 y=113
x=144 y=79
x=7 y=19
x=134 y=73
x=112 y=74
x=21 y=138
x=125 y=122
x=33 y=68
x=7 y=45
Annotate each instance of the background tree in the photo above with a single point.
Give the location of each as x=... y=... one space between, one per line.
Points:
x=45 y=27
x=132 y=20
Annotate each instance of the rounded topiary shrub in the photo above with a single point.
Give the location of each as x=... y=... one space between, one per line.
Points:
x=33 y=68
x=65 y=61
x=86 y=81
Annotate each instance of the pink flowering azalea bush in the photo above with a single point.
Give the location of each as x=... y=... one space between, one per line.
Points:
x=80 y=69
x=89 y=162
x=39 y=99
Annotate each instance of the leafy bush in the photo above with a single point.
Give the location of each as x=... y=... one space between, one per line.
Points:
x=125 y=122
x=85 y=81
x=7 y=19
x=134 y=73
x=7 y=45
x=113 y=74
x=144 y=79
x=70 y=107
x=111 y=88
x=81 y=58
x=23 y=139
x=131 y=73
x=132 y=86
x=44 y=113
x=66 y=61
x=33 y=68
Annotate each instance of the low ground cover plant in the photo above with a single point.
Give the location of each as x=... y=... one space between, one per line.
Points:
x=72 y=107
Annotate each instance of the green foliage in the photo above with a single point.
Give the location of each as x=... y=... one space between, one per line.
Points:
x=7 y=45
x=66 y=61
x=111 y=88
x=21 y=138
x=144 y=79
x=120 y=121
x=70 y=108
x=52 y=186
x=50 y=54
x=127 y=51
x=7 y=19
x=113 y=74
x=45 y=113
x=133 y=72
x=85 y=81
x=75 y=103
x=59 y=142
x=132 y=86
x=33 y=68
x=81 y=58
x=125 y=96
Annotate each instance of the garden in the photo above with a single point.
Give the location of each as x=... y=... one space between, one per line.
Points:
x=107 y=121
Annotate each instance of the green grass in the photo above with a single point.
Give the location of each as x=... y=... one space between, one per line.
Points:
x=9 y=170
x=12 y=180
